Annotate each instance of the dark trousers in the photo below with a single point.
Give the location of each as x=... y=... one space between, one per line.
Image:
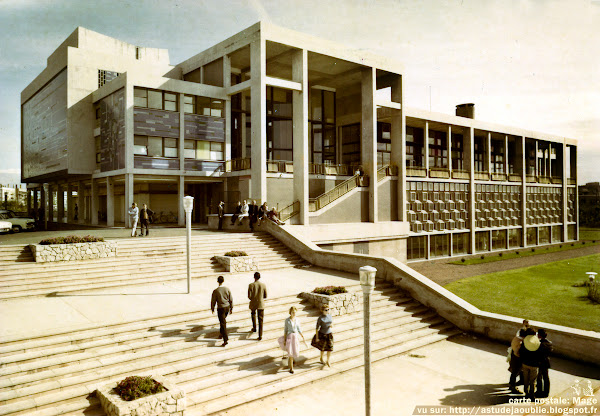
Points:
x=543 y=383
x=515 y=370
x=234 y=218
x=261 y=316
x=222 y=314
x=145 y=223
x=220 y=223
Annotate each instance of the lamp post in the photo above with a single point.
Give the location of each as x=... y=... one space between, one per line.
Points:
x=591 y=276
x=367 y=282
x=188 y=206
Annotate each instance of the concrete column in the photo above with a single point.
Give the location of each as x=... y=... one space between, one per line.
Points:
x=128 y=198
x=369 y=136
x=258 y=94
x=28 y=201
x=35 y=204
x=398 y=139
x=81 y=211
x=44 y=205
x=244 y=120
x=426 y=143
x=300 y=134
x=506 y=156
x=537 y=168
x=524 y=192
x=226 y=84
x=449 y=147
x=450 y=247
x=129 y=127
x=488 y=153
x=50 y=199
x=565 y=197
x=110 y=202
x=469 y=144
x=180 y=195
x=60 y=203
x=70 y=206
x=428 y=250
x=94 y=201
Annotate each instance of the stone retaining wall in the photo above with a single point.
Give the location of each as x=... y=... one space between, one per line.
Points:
x=76 y=251
x=339 y=304
x=170 y=402
x=238 y=264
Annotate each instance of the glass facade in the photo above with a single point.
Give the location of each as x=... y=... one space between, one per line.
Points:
x=416 y=247
x=414 y=147
x=460 y=243
x=438 y=149
x=440 y=245
x=557 y=231
x=514 y=237
x=155 y=99
x=531 y=236
x=482 y=241
x=544 y=236
x=498 y=239
x=322 y=128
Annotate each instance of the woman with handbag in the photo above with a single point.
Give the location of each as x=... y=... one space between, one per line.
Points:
x=323 y=339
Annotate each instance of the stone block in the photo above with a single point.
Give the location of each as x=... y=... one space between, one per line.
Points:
x=77 y=251
x=238 y=264
x=339 y=304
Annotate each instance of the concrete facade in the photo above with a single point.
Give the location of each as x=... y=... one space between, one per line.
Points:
x=316 y=130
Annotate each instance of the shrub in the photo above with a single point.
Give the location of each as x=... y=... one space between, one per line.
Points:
x=516 y=252
x=500 y=254
x=583 y=242
x=594 y=291
x=235 y=253
x=482 y=257
x=135 y=387
x=463 y=260
x=71 y=239
x=533 y=250
x=330 y=290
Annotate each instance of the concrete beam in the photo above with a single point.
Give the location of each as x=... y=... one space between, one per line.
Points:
x=95 y=202
x=237 y=88
x=110 y=202
x=398 y=142
x=284 y=83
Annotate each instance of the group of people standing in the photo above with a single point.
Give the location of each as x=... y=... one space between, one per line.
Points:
x=529 y=359
x=145 y=215
x=255 y=214
x=292 y=331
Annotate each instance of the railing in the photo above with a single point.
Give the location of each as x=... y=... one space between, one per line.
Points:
x=340 y=190
x=531 y=178
x=385 y=171
x=544 y=179
x=280 y=166
x=512 y=177
x=498 y=176
x=417 y=171
x=460 y=174
x=482 y=176
x=442 y=173
x=326 y=169
x=289 y=211
x=571 y=181
x=235 y=165
x=556 y=180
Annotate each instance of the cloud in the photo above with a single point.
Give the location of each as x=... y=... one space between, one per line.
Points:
x=10 y=171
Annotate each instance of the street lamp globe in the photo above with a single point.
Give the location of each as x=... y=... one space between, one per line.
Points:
x=591 y=276
x=367 y=277
x=188 y=203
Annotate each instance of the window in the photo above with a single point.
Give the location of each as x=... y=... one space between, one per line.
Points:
x=498 y=239
x=140 y=145
x=170 y=101
x=457 y=152
x=322 y=127
x=416 y=247
x=482 y=241
x=170 y=147
x=216 y=151
x=497 y=165
x=438 y=149
x=460 y=243
x=479 y=154
x=514 y=238
x=204 y=106
x=189 y=149
x=439 y=245
x=531 y=236
x=105 y=76
x=189 y=104
x=159 y=100
x=203 y=150
x=155 y=99
x=351 y=144
x=384 y=144
x=155 y=146
x=98 y=150
x=414 y=146
x=140 y=97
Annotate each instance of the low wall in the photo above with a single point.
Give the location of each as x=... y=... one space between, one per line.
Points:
x=572 y=343
x=340 y=304
x=76 y=251
x=238 y=264
x=213 y=223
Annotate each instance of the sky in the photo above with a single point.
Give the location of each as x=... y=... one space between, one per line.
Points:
x=533 y=64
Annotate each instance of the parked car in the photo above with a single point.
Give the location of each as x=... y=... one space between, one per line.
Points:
x=18 y=223
x=5 y=227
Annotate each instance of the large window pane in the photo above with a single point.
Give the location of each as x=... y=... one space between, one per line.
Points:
x=155 y=99
x=155 y=146
x=329 y=106
x=203 y=106
x=460 y=243
x=140 y=97
x=416 y=248
x=439 y=245
x=482 y=241
x=531 y=236
x=202 y=150
x=189 y=104
x=189 y=151
x=316 y=105
x=170 y=101
x=216 y=108
x=216 y=151
x=170 y=147
x=140 y=145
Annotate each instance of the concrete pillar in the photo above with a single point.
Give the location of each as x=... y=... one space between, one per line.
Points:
x=428 y=248
x=60 y=203
x=128 y=198
x=50 y=201
x=181 y=143
x=35 y=204
x=44 y=205
x=243 y=124
x=537 y=167
x=523 y=192
x=300 y=134
x=488 y=153
x=110 y=202
x=565 y=197
x=81 y=211
x=28 y=201
x=506 y=156
x=369 y=136
x=449 y=147
x=129 y=128
x=94 y=201
x=450 y=247
x=180 y=195
x=398 y=139
x=70 y=206
x=226 y=84
x=258 y=95
x=469 y=144
x=426 y=144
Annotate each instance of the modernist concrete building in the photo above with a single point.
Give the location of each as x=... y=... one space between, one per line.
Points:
x=278 y=116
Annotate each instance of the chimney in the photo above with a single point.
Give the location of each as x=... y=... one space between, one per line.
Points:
x=465 y=110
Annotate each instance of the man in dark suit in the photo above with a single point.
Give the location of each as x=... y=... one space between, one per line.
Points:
x=253 y=212
x=236 y=213
x=221 y=214
x=221 y=297
x=257 y=293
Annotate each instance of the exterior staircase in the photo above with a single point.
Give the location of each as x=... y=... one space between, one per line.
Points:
x=139 y=261
x=57 y=374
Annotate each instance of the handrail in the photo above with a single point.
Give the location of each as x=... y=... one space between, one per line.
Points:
x=288 y=212
x=341 y=189
x=387 y=170
x=234 y=165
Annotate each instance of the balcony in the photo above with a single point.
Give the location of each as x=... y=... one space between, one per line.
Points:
x=235 y=165
x=499 y=176
x=482 y=176
x=531 y=178
x=330 y=169
x=460 y=174
x=280 y=166
x=441 y=173
x=556 y=180
x=416 y=171
x=513 y=177
x=148 y=162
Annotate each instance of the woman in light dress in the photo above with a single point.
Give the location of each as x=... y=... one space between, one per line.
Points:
x=290 y=341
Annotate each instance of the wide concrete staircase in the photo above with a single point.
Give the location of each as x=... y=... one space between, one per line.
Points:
x=57 y=374
x=139 y=261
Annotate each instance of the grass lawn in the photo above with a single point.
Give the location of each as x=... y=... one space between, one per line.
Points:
x=542 y=293
x=589 y=234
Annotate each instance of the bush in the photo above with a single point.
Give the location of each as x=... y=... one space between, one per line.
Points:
x=594 y=291
x=500 y=254
x=517 y=253
x=482 y=257
x=135 y=387
x=71 y=239
x=463 y=260
x=533 y=250
x=235 y=253
x=330 y=290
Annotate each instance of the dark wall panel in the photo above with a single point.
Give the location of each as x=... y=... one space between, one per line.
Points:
x=204 y=128
x=148 y=122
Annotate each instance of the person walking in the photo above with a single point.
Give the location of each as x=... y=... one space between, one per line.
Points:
x=145 y=216
x=236 y=213
x=323 y=339
x=257 y=293
x=530 y=360
x=134 y=213
x=543 y=380
x=221 y=214
x=221 y=297
x=289 y=342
